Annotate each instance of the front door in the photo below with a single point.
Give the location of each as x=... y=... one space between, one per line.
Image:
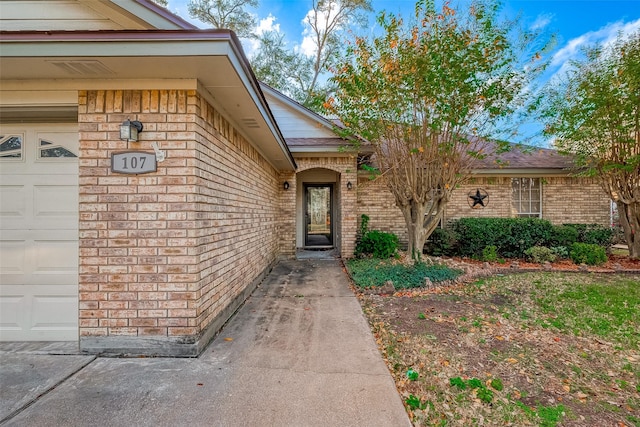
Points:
x=318 y=216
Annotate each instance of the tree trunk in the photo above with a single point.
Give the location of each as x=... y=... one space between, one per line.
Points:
x=420 y=228
x=413 y=214
x=630 y=220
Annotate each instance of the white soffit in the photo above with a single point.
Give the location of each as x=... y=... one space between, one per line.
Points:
x=81 y=61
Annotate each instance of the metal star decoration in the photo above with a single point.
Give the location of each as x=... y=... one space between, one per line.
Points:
x=479 y=199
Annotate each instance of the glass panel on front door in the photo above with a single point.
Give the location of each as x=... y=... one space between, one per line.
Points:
x=318 y=216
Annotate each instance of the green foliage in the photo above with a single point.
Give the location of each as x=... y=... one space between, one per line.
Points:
x=490 y=253
x=564 y=235
x=593 y=234
x=412 y=375
x=371 y=272
x=593 y=115
x=511 y=236
x=229 y=14
x=586 y=253
x=378 y=244
x=364 y=224
x=496 y=383
x=375 y=243
x=443 y=241
x=490 y=238
x=457 y=382
x=414 y=402
x=485 y=395
x=441 y=79
x=540 y=254
x=475 y=383
x=550 y=416
x=561 y=252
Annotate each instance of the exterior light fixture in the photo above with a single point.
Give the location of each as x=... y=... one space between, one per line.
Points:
x=129 y=130
x=286 y=185
x=349 y=185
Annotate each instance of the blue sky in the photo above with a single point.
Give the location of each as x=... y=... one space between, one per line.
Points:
x=576 y=23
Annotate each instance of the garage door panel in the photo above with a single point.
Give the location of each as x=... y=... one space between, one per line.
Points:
x=54 y=312
x=55 y=257
x=29 y=314
x=39 y=235
x=11 y=311
x=13 y=207
x=55 y=202
x=12 y=257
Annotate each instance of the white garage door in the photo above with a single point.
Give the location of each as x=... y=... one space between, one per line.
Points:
x=39 y=232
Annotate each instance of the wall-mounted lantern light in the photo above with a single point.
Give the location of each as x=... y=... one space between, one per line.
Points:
x=129 y=130
x=286 y=185
x=349 y=185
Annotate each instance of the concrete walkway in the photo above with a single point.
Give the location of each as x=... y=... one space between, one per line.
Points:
x=298 y=353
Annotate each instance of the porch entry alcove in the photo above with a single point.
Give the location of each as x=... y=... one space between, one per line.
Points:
x=318 y=209
x=318 y=231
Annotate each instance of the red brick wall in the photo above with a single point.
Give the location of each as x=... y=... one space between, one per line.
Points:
x=163 y=254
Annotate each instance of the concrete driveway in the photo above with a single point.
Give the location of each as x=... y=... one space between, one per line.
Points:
x=298 y=353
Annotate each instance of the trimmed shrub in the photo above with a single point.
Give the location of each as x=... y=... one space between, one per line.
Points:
x=540 y=254
x=587 y=253
x=378 y=244
x=593 y=234
x=443 y=241
x=564 y=235
x=511 y=236
x=561 y=252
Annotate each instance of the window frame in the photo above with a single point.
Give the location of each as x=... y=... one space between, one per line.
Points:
x=517 y=200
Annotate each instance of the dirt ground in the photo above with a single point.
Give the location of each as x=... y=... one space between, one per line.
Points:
x=448 y=333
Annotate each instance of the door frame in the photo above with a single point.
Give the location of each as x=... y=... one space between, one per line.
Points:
x=305 y=214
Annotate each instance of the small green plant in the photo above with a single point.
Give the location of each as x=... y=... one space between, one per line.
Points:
x=586 y=253
x=561 y=252
x=475 y=383
x=496 y=384
x=457 y=382
x=374 y=242
x=414 y=402
x=485 y=395
x=490 y=253
x=540 y=254
x=412 y=375
x=422 y=316
x=550 y=415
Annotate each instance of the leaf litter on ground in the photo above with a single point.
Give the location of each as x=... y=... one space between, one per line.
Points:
x=541 y=348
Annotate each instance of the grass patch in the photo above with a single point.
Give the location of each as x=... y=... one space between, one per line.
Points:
x=536 y=349
x=372 y=272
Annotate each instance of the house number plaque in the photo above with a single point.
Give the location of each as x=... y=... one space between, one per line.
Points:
x=133 y=162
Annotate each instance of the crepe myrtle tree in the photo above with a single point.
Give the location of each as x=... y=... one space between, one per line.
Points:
x=427 y=95
x=594 y=114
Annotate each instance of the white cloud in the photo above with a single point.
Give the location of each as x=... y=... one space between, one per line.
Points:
x=603 y=37
x=267 y=24
x=541 y=22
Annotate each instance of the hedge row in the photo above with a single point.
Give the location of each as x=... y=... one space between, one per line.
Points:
x=511 y=236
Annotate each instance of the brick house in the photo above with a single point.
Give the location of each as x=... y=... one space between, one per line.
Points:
x=154 y=262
